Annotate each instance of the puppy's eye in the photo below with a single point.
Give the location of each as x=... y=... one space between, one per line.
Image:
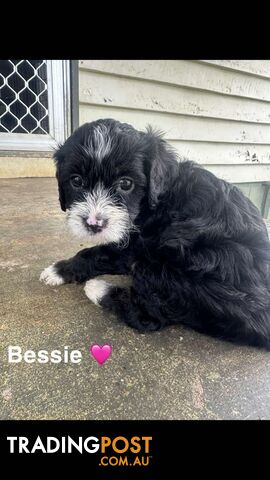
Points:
x=125 y=184
x=76 y=181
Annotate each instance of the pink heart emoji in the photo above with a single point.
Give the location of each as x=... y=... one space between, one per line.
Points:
x=101 y=353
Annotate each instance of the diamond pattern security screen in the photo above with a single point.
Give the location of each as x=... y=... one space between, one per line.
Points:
x=23 y=96
x=34 y=104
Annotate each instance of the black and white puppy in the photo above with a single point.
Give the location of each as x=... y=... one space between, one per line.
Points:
x=196 y=248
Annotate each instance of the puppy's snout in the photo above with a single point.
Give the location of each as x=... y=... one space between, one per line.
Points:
x=96 y=223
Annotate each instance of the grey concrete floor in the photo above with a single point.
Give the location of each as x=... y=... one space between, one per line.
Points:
x=172 y=374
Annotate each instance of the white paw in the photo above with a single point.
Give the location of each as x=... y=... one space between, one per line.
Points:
x=51 y=277
x=96 y=289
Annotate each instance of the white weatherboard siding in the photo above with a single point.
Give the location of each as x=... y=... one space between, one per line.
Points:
x=215 y=112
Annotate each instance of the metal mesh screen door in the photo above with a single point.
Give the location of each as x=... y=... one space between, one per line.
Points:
x=34 y=104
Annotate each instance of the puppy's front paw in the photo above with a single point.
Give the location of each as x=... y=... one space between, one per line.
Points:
x=51 y=277
x=96 y=289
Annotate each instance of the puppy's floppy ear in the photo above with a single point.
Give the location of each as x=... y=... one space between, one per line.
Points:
x=162 y=165
x=59 y=160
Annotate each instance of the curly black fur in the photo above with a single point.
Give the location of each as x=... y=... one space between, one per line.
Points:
x=201 y=253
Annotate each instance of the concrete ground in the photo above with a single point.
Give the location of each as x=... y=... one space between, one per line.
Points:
x=172 y=374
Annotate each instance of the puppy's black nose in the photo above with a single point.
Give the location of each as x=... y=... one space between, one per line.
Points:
x=95 y=228
x=95 y=224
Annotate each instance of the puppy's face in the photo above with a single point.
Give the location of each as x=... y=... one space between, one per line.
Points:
x=102 y=175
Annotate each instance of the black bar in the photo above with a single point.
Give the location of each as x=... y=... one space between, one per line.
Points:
x=172 y=446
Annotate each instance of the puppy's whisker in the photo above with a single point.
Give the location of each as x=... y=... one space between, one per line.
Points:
x=101 y=203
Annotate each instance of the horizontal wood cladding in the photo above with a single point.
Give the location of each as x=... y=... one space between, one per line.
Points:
x=215 y=112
